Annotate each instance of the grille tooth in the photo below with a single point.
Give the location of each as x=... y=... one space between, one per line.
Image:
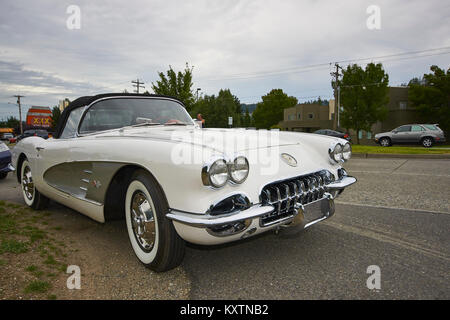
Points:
x=284 y=195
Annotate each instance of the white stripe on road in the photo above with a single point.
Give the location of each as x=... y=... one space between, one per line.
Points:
x=389 y=208
x=401 y=173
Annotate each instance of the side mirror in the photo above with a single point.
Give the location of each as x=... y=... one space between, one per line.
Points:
x=394 y=131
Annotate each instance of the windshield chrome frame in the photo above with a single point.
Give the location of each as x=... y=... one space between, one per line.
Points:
x=87 y=107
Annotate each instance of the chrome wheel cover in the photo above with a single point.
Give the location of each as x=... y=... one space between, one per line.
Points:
x=27 y=183
x=142 y=221
x=427 y=142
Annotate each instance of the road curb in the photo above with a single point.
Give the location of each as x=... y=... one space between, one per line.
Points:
x=398 y=155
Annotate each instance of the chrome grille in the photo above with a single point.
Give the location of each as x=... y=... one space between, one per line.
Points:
x=285 y=195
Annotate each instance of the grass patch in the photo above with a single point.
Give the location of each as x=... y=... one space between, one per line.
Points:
x=398 y=150
x=13 y=246
x=3 y=262
x=51 y=297
x=37 y=287
x=50 y=260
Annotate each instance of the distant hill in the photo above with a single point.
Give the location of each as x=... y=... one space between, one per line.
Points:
x=251 y=107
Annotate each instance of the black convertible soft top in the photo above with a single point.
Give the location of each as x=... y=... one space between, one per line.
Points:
x=86 y=100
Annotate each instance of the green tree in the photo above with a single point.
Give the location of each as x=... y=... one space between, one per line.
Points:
x=216 y=109
x=56 y=114
x=431 y=97
x=176 y=84
x=247 y=119
x=271 y=110
x=364 y=95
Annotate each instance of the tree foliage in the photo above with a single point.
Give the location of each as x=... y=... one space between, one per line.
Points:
x=56 y=114
x=176 y=84
x=431 y=96
x=271 y=110
x=216 y=109
x=11 y=122
x=364 y=96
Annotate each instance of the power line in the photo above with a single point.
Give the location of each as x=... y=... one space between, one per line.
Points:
x=137 y=85
x=321 y=66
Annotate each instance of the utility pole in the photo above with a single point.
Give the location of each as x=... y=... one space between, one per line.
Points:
x=198 y=89
x=336 y=95
x=20 y=111
x=137 y=84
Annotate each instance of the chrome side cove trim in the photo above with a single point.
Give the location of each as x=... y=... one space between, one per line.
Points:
x=209 y=221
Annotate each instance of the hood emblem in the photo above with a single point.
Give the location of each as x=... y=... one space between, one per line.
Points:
x=290 y=160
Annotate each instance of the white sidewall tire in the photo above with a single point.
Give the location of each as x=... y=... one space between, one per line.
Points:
x=29 y=202
x=144 y=257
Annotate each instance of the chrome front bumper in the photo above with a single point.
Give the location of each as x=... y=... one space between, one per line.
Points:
x=256 y=211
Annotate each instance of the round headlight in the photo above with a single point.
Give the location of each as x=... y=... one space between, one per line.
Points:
x=347 y=151
x=239 y=169
x=218 y=173
x=337 y=153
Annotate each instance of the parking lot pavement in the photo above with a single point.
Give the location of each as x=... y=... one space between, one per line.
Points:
x=396 y=217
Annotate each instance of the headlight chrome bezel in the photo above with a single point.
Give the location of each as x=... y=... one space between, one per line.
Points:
x=336 y=152
x=208 y=168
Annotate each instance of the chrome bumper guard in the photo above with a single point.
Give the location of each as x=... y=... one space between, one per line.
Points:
x=341 y=184
x=211 y=221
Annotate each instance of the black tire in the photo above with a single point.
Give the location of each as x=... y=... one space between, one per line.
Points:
x=385 y=142
x=427 y=142
x=3 y=175
x=145 y=201
x=33 y=198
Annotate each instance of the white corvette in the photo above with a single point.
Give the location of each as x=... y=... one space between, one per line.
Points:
x=142 y=158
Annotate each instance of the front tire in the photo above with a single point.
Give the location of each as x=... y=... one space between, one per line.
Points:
x=152 y=236
x=3 y=175
x=32 y=197
x=385 y=142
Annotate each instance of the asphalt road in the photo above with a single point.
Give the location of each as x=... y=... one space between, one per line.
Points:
x=396 y=217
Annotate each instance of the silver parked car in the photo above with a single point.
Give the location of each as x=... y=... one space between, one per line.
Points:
x=424 y=134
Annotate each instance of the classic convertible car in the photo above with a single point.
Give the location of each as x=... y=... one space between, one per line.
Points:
x=118 y=156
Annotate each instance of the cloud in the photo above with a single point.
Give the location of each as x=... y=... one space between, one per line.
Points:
x=120 y=41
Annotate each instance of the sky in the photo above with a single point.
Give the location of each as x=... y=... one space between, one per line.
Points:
x=247 y=46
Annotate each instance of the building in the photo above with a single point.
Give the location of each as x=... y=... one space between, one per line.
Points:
x=39 y=117
x=308 y=117
x=62 y=104
x=312 y=117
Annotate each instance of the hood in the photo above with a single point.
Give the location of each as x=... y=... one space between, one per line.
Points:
x=222 y=140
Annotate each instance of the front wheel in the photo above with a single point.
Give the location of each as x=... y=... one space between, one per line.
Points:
x=152 y=236
x=385 y=142
x=3 y=175
x=32 y=197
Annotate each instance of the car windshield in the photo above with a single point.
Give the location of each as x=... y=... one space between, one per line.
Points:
x=123 y=112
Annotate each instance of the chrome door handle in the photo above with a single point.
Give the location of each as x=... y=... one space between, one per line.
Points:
x=40 y=148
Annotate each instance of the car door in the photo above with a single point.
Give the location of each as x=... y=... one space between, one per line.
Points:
x=401 y=134
x=416 y=134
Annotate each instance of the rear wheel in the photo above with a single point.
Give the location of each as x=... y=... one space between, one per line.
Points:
x=32 y=197
x=427 y=142
x=385 y=142
x=152 y=236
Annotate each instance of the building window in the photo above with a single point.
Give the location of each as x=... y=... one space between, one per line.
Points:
x=291 y=117
x=402 y=105
x=360 y=134
x=310 y=115
x=299 y=116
